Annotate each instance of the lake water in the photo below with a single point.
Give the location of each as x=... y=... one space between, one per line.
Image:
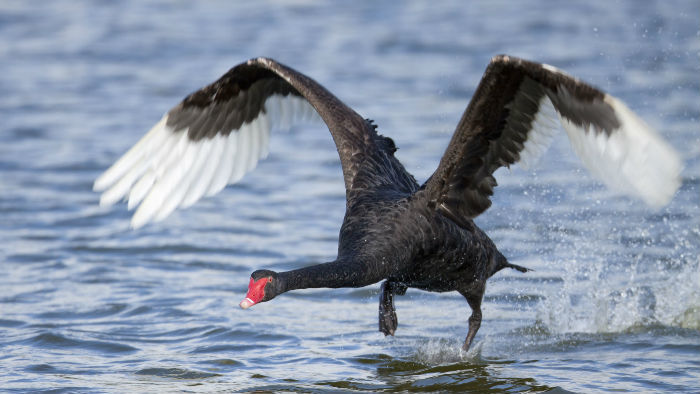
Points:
x=88 y=305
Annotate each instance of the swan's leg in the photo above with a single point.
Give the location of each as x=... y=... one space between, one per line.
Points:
x=474 y=296
x=387 y=313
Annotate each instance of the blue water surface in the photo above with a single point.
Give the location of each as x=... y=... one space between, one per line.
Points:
x=89 y=305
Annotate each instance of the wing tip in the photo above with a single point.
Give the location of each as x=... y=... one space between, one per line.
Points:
x=100 y=184
x=140 y=218
x=661 y=194
x=662 y=156
x=633 y=158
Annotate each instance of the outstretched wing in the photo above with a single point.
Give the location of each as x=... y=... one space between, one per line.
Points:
x=511 y=119
x=218 y=133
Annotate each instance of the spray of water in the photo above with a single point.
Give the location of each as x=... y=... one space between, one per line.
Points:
x=597 y=296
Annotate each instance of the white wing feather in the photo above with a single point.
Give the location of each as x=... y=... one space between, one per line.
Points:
x=544 y=126
x=165 y=170
x=632 y=159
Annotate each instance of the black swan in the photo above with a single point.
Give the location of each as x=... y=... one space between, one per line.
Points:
x=408 y=235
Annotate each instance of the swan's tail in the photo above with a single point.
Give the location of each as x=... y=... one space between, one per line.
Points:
x=517 y=267
x=502 y=262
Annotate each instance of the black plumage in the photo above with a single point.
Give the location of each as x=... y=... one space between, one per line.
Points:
x=395 y=230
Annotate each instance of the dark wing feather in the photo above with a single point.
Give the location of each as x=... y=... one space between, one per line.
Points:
x=367 y=157
x=513 y=108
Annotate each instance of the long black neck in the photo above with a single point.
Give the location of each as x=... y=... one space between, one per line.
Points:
x=334 y=275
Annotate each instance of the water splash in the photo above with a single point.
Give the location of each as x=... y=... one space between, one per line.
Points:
x=594 y=298
x=442 y=351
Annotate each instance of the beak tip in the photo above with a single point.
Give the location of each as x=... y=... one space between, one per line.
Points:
x=246 y=303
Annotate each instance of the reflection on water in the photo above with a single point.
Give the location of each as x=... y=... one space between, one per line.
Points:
x=88 y=305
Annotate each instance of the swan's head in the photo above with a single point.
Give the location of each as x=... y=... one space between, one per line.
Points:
x=262 y=287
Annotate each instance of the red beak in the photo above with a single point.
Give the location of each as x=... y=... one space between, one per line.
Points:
x=256 y=292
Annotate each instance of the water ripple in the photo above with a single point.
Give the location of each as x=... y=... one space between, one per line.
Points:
x=176 y=373
x=51 y=340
